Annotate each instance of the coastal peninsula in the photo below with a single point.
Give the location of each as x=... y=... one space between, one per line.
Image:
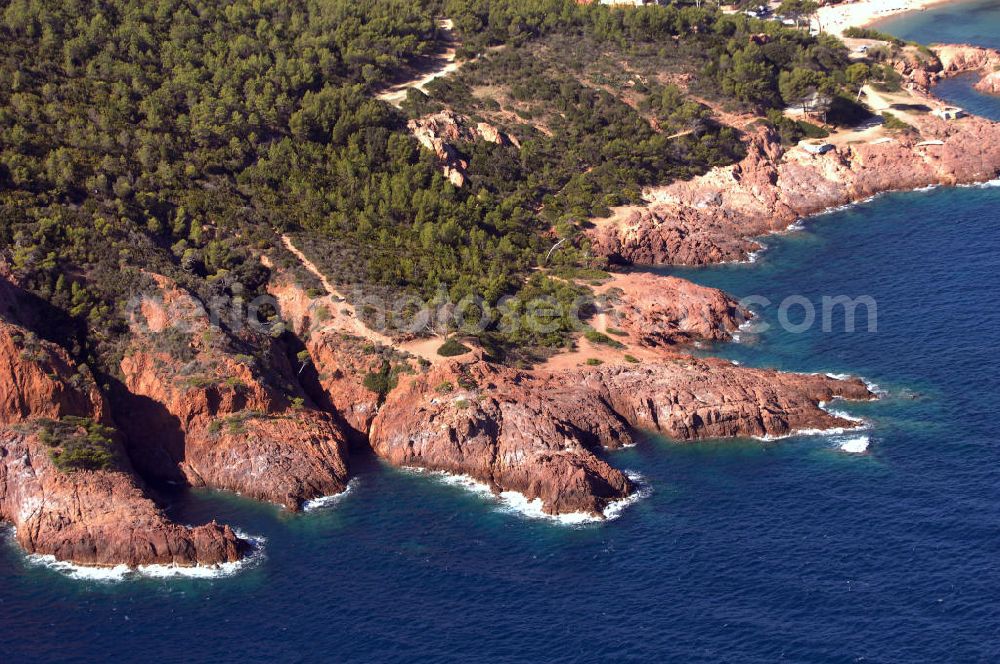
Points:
x=502 y=155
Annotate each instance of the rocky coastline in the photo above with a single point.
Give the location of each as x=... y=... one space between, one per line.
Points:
x=541 y=434
x=717 y=217
x=204 y=409
x=959 y=59
x=89 y=517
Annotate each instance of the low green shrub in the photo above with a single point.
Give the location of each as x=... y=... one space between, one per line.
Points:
x=78 y=443
x=595 y=337
x=452 y=347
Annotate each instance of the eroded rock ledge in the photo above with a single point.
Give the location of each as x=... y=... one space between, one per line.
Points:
x=541 y=434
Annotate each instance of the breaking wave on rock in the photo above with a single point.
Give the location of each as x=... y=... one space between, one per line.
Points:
x=125 y=572
x=855 y=445
x=517 y=503
x=873 y=387
x=861 y=424
x=324 y=502
x=989 y=184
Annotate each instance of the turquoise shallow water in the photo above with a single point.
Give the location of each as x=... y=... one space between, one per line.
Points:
x=743 y=550
x=966 y=22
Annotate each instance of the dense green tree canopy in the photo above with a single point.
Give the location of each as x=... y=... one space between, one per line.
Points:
x=182 y=135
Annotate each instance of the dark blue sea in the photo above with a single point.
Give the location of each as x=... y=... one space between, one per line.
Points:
x=743 y=551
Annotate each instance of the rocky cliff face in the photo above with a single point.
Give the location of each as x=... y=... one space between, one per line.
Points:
x=340 y=360
x=206 y=411
x=96 y=517
x=501 y=427
x=962 y=58
x=712 y=218
x=540 y=433
x=48 y=408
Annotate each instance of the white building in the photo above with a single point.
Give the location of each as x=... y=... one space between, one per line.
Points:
x=816 y=147
x=948 y=112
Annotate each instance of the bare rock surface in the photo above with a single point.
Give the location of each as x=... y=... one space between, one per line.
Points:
x=86 y=516
x=209 y=412
x=542 y=434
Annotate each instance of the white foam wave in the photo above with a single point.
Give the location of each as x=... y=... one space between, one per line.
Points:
x=797 y=433
x=642 y=491
x=873 y=387
x=857 y=445
x=861 y=424
x=839 y=376
x=989 y=184
x=754 y=256
x=834 y=208
x=844 y=416
x=517 y=502
x=465 y=481
x=329 y=501
x=845 y=206
x=124 y=572
x=745 y=326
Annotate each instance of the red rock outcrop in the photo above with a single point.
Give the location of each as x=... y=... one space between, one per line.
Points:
x=712 y=218
x=96 y=517
x=660 y=310
x=341 y=360
x=962 y=58
x=91 y=517
x=498 y=426
x=990 y=84
x=441 y=131
x=207 y=413
x=691 y=399
x=536 y=433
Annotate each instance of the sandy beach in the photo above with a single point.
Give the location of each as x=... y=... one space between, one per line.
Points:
x=837 y=18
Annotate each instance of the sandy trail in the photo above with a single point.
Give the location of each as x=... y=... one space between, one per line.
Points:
x=343 y=317
x=396 y=95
